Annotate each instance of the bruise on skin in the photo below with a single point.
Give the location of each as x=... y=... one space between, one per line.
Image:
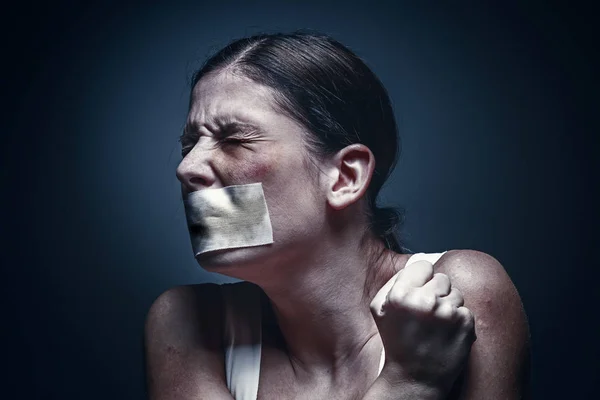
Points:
x=173 y=351
x=256 y=166
x=258 y=169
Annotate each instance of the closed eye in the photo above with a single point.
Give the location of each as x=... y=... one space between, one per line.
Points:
x=188 y=141
x=229 y=141
x=185 y=150
x=234 y=140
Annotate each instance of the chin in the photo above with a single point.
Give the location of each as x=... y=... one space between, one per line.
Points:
x=227 y=261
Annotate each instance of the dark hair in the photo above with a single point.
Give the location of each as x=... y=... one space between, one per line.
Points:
x=329 y=90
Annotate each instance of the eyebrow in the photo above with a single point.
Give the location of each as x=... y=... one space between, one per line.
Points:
x=225 y=128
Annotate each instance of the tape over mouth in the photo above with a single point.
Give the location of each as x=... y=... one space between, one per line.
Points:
x=226 y=218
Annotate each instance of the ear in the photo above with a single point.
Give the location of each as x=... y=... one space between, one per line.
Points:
x=351 y=170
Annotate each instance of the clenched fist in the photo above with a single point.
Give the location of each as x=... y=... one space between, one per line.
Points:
x=426 y=332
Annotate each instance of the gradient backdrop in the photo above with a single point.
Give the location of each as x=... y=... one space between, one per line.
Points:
x=497 y=108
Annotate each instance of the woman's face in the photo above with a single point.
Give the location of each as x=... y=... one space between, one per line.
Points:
x=234 y=136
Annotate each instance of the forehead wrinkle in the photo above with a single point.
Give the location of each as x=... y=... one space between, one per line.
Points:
x=222 y=122
x=225 y=96
x=221 y=115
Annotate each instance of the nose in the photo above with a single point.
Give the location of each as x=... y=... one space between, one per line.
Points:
x=195 y=171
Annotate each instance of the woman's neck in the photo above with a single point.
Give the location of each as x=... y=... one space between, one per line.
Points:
x=322 y=307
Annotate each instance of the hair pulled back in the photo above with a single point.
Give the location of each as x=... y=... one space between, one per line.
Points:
x=330 y=91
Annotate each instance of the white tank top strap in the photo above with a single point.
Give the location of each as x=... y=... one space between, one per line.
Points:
x=432 y=258
x=243 y=338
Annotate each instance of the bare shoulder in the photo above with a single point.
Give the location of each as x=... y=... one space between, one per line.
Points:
x=180 y=311
x=480 y=277
x=183 y=344
x=499 y=361
x=485 y=285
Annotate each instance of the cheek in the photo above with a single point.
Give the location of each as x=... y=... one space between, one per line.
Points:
x=257 y=167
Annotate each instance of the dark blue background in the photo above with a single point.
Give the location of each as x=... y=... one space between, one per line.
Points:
x=498 y=114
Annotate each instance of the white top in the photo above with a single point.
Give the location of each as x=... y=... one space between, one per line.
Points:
x=243 y=334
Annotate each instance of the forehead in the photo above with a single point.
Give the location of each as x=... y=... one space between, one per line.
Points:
x=228 y=97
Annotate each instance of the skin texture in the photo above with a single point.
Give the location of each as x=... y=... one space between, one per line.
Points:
x=314 y=275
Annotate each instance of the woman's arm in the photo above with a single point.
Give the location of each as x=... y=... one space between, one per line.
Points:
x=184 y=354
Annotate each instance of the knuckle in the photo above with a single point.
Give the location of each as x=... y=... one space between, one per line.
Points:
x=442 y=282
x=428 y=269
x=471 y=321
x=400 y=276
x=446 y=311
x=428 y=302
x=467 y=317
x=411 y=297
x=396 y=296
x=457 y=296
x=420 y=300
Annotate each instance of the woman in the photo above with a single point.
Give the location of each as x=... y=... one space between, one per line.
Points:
x=331 y=308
